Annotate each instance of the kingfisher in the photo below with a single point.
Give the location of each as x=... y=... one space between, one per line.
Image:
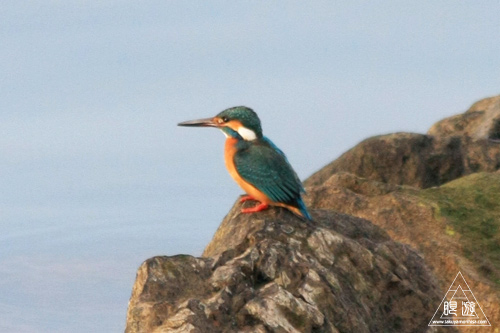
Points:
x=257 y=165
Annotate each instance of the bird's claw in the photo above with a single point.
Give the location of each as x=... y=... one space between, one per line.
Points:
x=260 y=207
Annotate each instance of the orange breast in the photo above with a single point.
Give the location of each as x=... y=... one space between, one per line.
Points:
x=229 y=151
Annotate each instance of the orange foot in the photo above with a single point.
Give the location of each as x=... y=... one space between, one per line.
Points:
x=246 y=198
x=260 y=207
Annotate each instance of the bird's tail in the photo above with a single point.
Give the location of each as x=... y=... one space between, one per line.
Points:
x=303 y=209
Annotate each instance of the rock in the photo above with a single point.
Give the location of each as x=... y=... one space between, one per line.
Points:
x=273 y=272
x=480 y=122
x=455 y=227
x=454 y=147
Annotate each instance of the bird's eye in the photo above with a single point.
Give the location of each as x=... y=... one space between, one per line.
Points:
x=225 y=119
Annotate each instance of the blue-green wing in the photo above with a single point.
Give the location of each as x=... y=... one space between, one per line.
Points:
x=266 y=167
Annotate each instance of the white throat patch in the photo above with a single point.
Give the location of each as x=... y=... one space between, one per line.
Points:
x=247 y=134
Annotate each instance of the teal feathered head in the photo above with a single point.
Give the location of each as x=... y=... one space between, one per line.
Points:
x=242 y=120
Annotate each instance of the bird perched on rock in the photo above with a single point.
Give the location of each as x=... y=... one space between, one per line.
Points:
x=255 y=163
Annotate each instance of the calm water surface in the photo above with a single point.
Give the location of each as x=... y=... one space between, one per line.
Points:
x=71 y=267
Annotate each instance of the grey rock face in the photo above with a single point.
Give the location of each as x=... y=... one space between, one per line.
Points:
x=272 y=272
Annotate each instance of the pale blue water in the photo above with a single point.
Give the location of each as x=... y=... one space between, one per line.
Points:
x=71 y=267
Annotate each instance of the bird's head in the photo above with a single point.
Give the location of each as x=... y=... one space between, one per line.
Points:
x=238 y=122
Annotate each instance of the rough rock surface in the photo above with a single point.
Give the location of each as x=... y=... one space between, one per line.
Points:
x=481 y=121
x=455 y=227
x=454 y=147
x=272 y=272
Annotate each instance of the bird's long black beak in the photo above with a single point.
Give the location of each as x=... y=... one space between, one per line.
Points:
x=207 y=122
